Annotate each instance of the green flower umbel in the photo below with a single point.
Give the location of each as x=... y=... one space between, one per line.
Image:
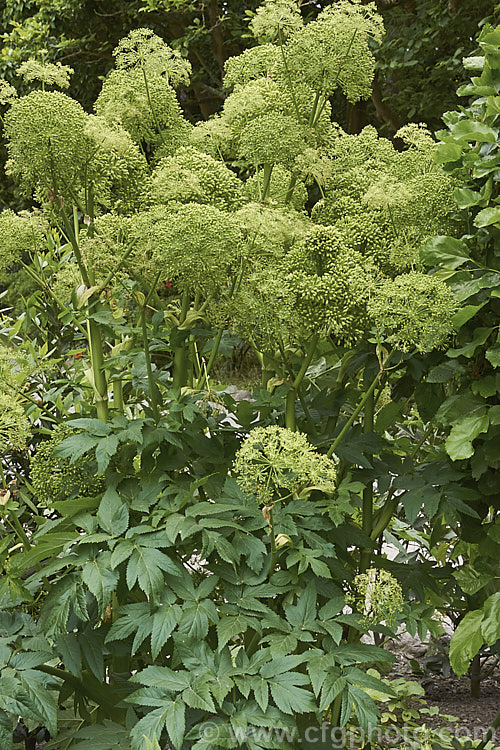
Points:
x=14 y=425
x=415 y=311
x=274 y=463
x=378 y=596
x=54 y=478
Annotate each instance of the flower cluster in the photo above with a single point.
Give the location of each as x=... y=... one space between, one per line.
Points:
x=271 y=138
x=193 y=245
x=46 y=143
x=145 y=106
x=330 y=285
x=14 y=426
x=54 y=478
x=50 y=74
x=276 y=19
x=117 y=171
x=274 y=463
x=334 y=50
x=191 y=176
x=386 y=202
x=378 y=596
x=261 y=61
x=415 y=310
x=20 y=233
x=7 y=93
x=142 y=49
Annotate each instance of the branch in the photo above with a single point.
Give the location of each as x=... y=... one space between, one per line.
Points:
x=382 y=110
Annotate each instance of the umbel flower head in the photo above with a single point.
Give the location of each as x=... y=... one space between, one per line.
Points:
x=415 y=311
x=271 y=138
x=54 y=478
x=49 y=74
x=20 y=233
x=377 y=595
x=261 y=61
x=14 y=426
x=191 y=176
x=7 y=93
x=145 y=106
x=276 y=19
x=193 y=245
x=385 y=202
x=144 y=50
x=333 y=51
x=330 y=285
x=46 y=142
x=117 y=171
x=274 y=463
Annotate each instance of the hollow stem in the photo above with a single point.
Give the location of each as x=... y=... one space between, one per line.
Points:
x=354 y=415
x=180 y=354
x=290 y=418
x=266 y=182
x=367 y=519
x=98 y=371
x=153 y=391
x=215 y=348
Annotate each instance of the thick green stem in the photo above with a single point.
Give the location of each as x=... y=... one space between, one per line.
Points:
x=367 y=522
x=314 y=108
x=290 y=189
x=290 y=419
x=98 y=371
x=203 y=382
x=118 y=404
x=180 y=353
x=114 y=270
x=390 y=506
x=384 y=516
x=288 y=77
x=268 y=370
x=353 y=416
x=272 y=559
x=336 y=709
x=153 y=113
x=266 y=182
x=14 y=522
x=475 y=677
x=153 y=390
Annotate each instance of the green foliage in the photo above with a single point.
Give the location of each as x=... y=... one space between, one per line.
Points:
x=195 y=554
x=175 y=574
x=470 y=265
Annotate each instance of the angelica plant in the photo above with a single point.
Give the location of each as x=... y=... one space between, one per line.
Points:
x=55 y=478
x=274 y=463
x=14 y=425
x=49 y=74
